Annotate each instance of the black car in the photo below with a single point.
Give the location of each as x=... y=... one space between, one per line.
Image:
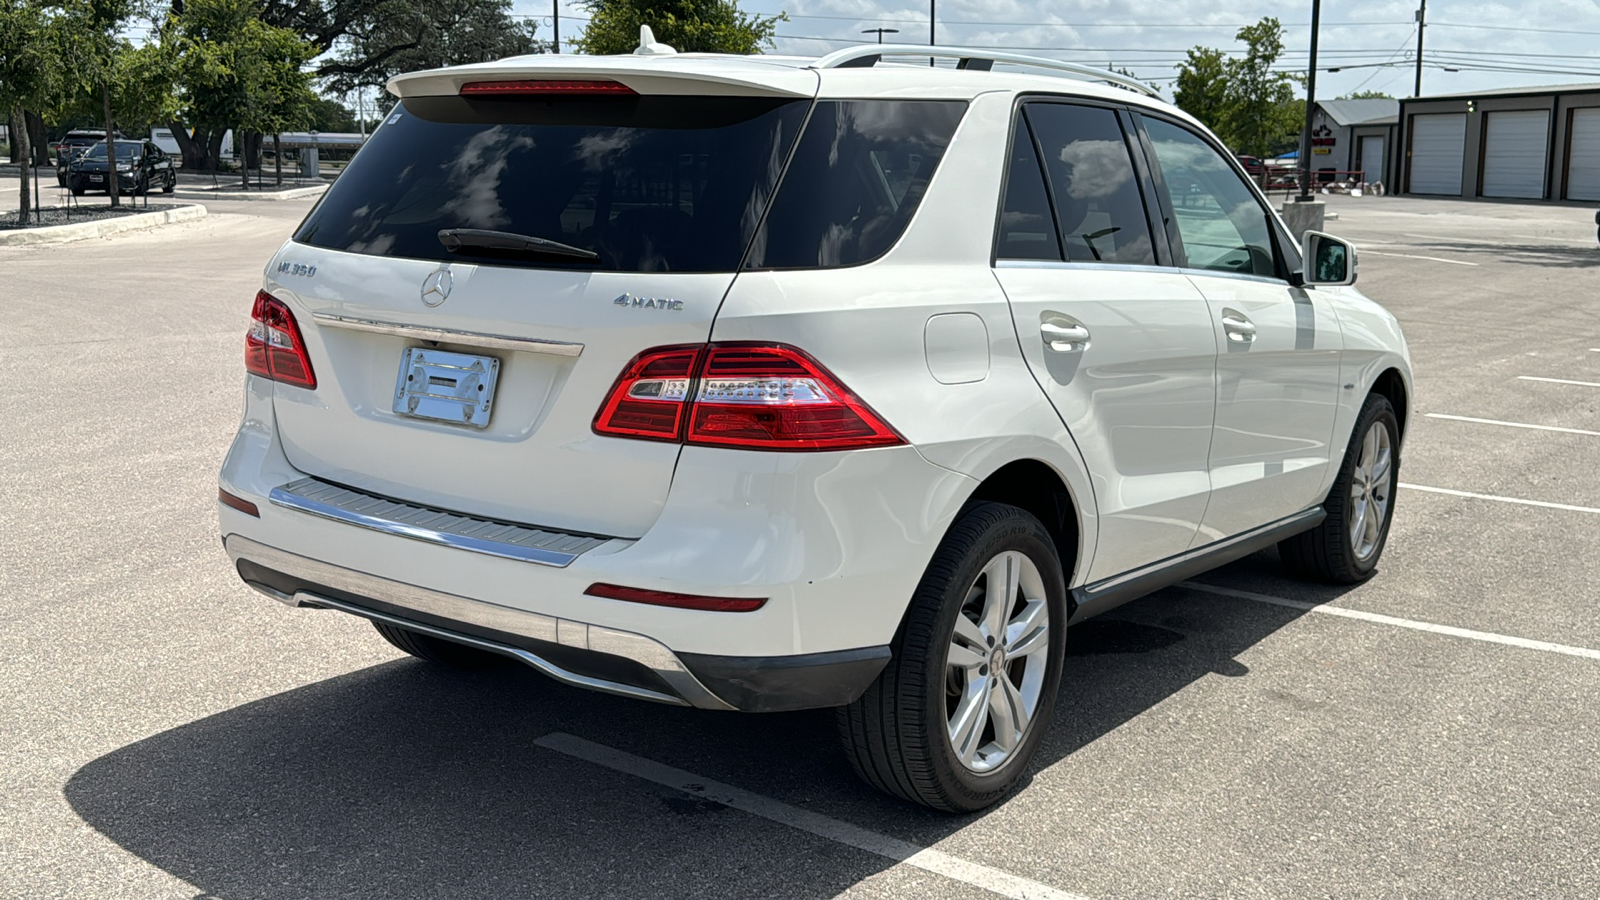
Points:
x=76 y=141
x=141 y=166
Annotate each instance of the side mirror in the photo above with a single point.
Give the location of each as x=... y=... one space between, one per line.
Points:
x=1328 y=261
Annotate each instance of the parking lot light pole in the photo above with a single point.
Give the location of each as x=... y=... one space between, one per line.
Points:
x=1311 y=105
x=880 y=32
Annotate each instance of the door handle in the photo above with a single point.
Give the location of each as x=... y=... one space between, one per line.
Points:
x=1238 y=326
x=1064 y=335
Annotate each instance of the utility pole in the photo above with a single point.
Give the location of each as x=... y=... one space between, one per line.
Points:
x=1422 y=25
x=1311 y=104
x=880 y=32
x=933 y=8
x=555 y=19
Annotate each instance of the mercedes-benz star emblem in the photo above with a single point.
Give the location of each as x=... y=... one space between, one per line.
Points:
x=436 y=287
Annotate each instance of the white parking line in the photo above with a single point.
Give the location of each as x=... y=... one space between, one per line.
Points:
x=1485 y=636
x=1468 y=494
x=1453 y=262
x=1511 y=424
x=1559 y=381
x=990 y=879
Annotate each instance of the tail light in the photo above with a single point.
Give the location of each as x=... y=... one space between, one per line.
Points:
x=273 y=347
x=754 y=396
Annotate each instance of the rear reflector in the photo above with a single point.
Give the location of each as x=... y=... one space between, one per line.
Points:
x=273 y=347
x=239 y=503
x=545 y=88
x=748 y=395
x=680 y=601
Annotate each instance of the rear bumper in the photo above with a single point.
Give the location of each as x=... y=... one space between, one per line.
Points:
x=575 y=653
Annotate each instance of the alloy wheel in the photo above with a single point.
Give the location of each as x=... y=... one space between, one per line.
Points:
x=1371 y=487
x=995 y=666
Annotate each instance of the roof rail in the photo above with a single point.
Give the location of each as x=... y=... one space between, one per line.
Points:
x=967 y=58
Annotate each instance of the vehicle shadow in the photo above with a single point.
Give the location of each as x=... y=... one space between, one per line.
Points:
x=1528 y=254
x=405 y=780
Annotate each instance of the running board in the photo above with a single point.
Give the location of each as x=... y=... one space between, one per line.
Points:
x=1110 y=593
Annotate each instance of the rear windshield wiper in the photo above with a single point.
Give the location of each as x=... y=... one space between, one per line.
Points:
x=477 y=241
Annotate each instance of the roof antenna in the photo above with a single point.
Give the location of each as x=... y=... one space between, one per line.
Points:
x=649 y=46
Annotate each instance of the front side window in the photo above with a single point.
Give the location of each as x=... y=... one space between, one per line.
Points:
x=1223 y=226
x=857 y=176
x=1092 y=180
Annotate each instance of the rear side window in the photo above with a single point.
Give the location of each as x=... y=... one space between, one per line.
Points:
x=650 y=184
x=1092 y=180
x=1027 y=228
x=1223 y=226
x=857 y=176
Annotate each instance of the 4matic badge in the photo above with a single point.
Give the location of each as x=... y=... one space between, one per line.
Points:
x=632 y=302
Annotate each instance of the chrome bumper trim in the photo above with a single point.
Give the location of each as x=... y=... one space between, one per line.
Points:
x=451 y=336
x=625 y=644
x=523 y=543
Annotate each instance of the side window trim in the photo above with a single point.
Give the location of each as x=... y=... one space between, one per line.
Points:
x=1036 y=100
x=1044 y=176
x=1169 y=218
x=1285 y=270
x=1160 y=238
x=1020 y=130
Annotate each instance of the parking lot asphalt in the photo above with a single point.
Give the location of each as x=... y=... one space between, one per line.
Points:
x=166 y=732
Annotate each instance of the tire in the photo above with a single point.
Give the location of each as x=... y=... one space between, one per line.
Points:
x=171 y=185
x=438 y=650
x=898 y=735
x=77 y=191
x=1333 y=551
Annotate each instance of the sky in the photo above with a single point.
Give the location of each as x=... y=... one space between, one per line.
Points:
x=1373 y=42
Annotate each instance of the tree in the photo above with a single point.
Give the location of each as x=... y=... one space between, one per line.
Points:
x=427 y=35
x=1251 y=107
x=31 y=51
x=1202 y=89
x=235 y=71
x=690 y=26
x=1367 y=95
x=1257 y=95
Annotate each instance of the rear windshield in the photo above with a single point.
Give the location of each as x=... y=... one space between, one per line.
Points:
x=125 y=149
x=649 y=184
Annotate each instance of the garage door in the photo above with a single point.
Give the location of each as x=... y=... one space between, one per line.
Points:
x=1514 y=153
x=1583 y=171
x=1437 y=145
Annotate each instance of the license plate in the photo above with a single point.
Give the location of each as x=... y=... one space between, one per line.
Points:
x=97 y=178
x=446 y=387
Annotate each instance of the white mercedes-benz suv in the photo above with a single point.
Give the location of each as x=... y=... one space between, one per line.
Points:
x=759 y=383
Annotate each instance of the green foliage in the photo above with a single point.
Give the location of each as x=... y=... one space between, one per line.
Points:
x=1367 y=95
x=331 y=115
x=1250 y=107
x=1202 y=88
x=34 y=44
x=427 y=34
x=236 y=71
x=690 y=26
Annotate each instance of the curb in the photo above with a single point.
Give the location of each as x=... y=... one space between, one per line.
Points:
x=289 y=194
x=79 y=231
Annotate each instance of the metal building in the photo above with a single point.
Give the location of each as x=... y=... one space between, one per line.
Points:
x=1530 y=143
x=1353 y=136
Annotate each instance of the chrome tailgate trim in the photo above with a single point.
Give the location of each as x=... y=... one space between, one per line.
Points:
x=524 y=543
x=451 y=336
